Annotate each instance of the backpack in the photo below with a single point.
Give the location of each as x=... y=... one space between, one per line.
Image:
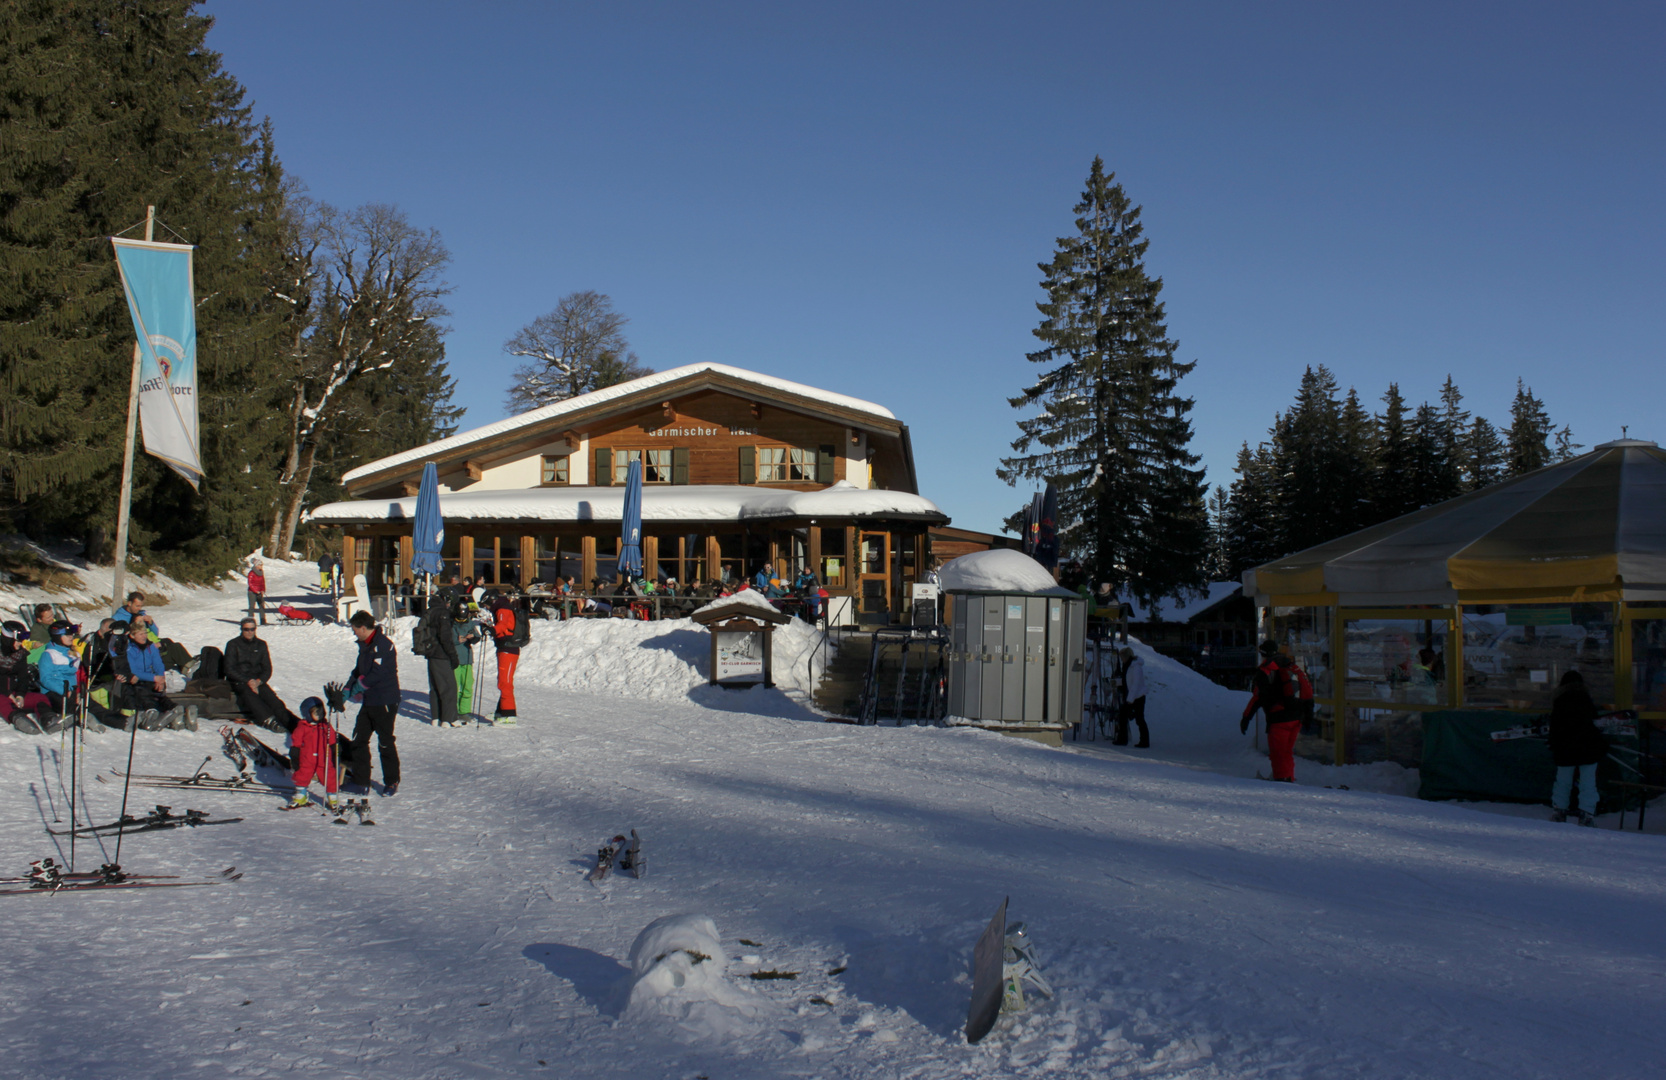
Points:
x=425 y=640
x=522 y=632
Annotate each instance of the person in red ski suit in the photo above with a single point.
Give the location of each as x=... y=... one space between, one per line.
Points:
x=257 y=591
x=315 y=751
x=508 y=655
x=1283 y=694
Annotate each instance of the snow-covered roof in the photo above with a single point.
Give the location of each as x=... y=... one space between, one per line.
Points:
x=999 y=570
x=583 y=402
x=1181 y=608
x=691 y=503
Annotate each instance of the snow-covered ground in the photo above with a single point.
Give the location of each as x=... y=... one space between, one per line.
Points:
x=1193 y=923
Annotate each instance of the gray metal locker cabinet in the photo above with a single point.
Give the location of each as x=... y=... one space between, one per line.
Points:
x=1055 y=668
x=957 y=658
x=1035 y=659
x=994 y=637
x=1075 y=668
x=971 y=698
x=1012 y=658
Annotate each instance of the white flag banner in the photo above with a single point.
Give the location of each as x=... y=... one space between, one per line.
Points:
x=160 y=296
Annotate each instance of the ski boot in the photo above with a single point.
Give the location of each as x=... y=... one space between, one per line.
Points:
x=1558 y=816
x=1018 y=967
x=1588 y=820
x=299 y=802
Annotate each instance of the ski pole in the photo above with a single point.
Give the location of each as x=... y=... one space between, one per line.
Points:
x=127 y=781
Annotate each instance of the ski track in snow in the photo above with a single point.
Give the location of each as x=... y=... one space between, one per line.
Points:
x=1194 y=924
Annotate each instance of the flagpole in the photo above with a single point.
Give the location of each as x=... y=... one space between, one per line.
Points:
x=127 y=449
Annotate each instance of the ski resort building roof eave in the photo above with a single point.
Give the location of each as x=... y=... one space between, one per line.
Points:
x=626 y=395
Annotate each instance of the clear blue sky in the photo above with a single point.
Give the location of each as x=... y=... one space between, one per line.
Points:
x=856 y=195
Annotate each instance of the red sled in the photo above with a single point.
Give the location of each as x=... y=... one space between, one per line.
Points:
x=290 y=615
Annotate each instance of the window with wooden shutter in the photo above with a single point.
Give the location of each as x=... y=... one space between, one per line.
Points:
x=679 y=465
x=824 y=465
x=749 y=465
x=604 y=466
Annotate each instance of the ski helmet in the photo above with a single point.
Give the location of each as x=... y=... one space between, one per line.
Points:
x=1269 y=648
x=60 y=628
x=311 y=705
x=12 y=630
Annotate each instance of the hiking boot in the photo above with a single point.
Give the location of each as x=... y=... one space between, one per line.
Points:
x=1558 y=816
x=1587 y=820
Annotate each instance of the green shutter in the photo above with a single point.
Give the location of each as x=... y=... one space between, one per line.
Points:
x=824 y=465
x=604 y=467
x=679 y=465
x=749 y=465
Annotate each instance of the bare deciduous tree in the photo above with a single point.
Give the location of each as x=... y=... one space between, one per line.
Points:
x=366 y=289
x=577 y=348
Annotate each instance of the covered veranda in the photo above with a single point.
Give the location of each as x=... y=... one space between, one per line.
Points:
x=866 y=545
x=1481 y=602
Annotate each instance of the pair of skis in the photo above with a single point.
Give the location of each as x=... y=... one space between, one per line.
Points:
x=46 y=876
x=162 y=817
x=625 y=853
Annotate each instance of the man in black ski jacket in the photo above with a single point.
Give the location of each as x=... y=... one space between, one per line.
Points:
x=375 y=683
x=249 y=670
x=439 y=648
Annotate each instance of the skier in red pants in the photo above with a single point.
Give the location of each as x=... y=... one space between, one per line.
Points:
x=315 y=746
x=1283 y=694
x=509 y=630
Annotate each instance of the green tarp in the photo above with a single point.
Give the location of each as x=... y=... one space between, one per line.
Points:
x=1461 y=761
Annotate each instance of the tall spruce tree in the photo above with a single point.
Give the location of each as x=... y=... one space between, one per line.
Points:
x=1396 y=481
x=1528 y=437
x=1454 y=425
x=1109 y=429
x=108 y=106
x=1254 y=534
x=1483 y=455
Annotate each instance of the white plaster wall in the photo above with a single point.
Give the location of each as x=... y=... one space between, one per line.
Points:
x=526 y=471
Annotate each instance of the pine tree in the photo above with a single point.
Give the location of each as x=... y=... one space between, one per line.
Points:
x=1217 y=563
x=1565 y=446
x=1433 y=477
x=1110 y=431
x=1454 y=425
x=108 y=106
x=1357 y=483
x=1483 y=455
x=1396 y=483
x=1309 y=444
x=1254 y=534
x=1529 y=433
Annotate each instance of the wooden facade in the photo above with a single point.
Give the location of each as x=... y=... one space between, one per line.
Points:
x=707 y=427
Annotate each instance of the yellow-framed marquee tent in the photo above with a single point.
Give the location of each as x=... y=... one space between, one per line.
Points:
x=1483 y=601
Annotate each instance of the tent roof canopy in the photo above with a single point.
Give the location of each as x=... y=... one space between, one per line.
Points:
x=1592 y=527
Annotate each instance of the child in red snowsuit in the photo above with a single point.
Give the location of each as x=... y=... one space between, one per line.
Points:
x=315 y=746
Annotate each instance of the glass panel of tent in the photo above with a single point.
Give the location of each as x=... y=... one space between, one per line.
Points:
x=1516 y=654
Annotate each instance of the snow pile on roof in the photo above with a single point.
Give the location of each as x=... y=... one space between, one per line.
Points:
x=678 y=964
x=601 y=397
x=1183 y=607
x=744 y=598
x=1000 y=570
x=692 y=502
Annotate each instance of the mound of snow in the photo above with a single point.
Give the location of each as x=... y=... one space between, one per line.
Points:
x=746 y=598
x=662 y=660
x=678 y=980
x=999 y=570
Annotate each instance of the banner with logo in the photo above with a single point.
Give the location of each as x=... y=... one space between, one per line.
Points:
x=160 y=296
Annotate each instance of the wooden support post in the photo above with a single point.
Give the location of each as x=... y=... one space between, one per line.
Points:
x=529 y=560
x=774 y=554
x=650 y=558
x=465 y=557
x=1624 y=692
x=815 y=552
x=349 y=562
x=407 y=550
x=1455 y=658
x=587 y=557
x=1339 y=682
x=714 y=559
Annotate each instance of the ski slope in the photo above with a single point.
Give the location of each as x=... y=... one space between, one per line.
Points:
x=1194 y=923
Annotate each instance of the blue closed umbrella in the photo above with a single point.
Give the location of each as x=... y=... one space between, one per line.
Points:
x=429 y=533
x=630 y=552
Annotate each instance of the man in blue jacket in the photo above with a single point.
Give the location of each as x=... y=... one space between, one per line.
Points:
x=375 y=683
x=139 y=672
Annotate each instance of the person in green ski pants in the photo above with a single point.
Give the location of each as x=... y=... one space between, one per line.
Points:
x=467 y=634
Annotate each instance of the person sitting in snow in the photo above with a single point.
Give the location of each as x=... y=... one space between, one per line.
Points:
x=39 y=633
x=248 y=667
x=21 y=704
x=315 y=751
